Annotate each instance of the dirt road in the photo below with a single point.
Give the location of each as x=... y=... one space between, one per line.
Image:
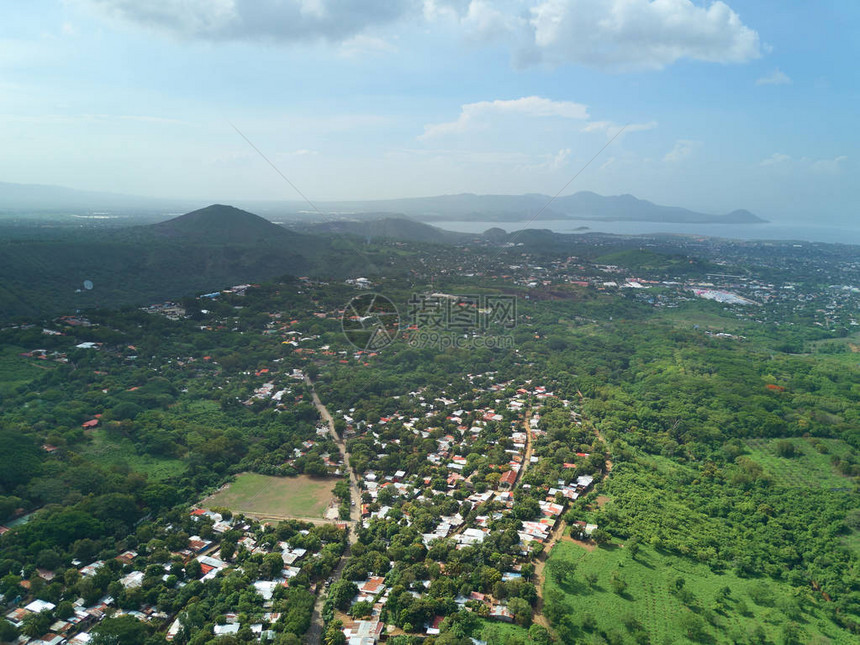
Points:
x=315 y=632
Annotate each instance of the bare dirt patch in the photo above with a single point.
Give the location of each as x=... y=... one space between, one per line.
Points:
x=263 y=496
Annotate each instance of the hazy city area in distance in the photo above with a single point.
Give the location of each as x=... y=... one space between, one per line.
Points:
x=532 y=322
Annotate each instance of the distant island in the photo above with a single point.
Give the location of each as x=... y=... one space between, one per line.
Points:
x=583 y=205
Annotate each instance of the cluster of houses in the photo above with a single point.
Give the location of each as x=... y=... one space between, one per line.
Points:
x=75 y=629
x=512 y=420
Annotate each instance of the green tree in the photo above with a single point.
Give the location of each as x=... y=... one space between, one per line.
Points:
x=123 y=630
x=693 y=626
x=617 y=583
x=632 y=547
x=342 y=592
x=521 y=610
x=600 y=536
x=786 y=449
x=539 y=635
x=562 y=569
x=8 y=632
x=36 y=625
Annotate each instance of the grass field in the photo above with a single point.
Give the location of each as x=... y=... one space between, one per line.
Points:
x=809 y=468
x=274 y=497
x=16 y=370
x=691 y=315
x=106 y=451
x=663 y=616
x=493 y=631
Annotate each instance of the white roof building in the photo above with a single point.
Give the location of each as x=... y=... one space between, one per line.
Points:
x=40 y=605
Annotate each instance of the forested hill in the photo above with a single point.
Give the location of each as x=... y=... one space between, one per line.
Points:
x=393 y=228
x=200 y=251
x=222 y=224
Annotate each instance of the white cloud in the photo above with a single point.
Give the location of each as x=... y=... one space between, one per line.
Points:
x=829 y=166
x=474 y=115
x=622 y=35
x=274 y=20
x=776 y=78
x=363 y=45
x=607 y=163
x=612 y=129
x=806 y=164
x=551 y=162
x=484 y=22
x=436 y=11
x=683 y=149
x=559 y=159
x=614 y=35
x=774 y=159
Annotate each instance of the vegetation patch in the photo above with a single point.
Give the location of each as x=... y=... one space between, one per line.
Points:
x=508 y=634
x=15 y=370
x=705 y=315
x=111 y=451
x=802 y=463
x=608 y=595
x=274 y=497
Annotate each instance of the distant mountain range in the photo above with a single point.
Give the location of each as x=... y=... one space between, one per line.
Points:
x=583 y=205
x=38 y=197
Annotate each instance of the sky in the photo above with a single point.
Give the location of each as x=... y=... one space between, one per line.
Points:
x=712 y=106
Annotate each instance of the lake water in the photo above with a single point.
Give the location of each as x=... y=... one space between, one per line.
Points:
x=804 y=233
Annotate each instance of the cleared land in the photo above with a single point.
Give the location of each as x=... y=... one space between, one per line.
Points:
x=274 y=497
x=653 y=609
x=110 y=451
x=809 y=467
x=492 y=631
x=15 y=370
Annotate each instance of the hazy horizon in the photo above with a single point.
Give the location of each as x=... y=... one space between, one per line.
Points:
x=277 y=209
x=727 y=106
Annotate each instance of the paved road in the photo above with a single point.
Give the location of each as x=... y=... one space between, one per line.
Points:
x=315 y=632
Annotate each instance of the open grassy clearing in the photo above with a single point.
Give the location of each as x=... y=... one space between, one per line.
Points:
x=651 y=609
x=847 y=360
x=107 y=451
x=16 y=370
x=493 y=631
x=274 y=497
x=808 y=468
x=695 y=313
x=202 y=411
